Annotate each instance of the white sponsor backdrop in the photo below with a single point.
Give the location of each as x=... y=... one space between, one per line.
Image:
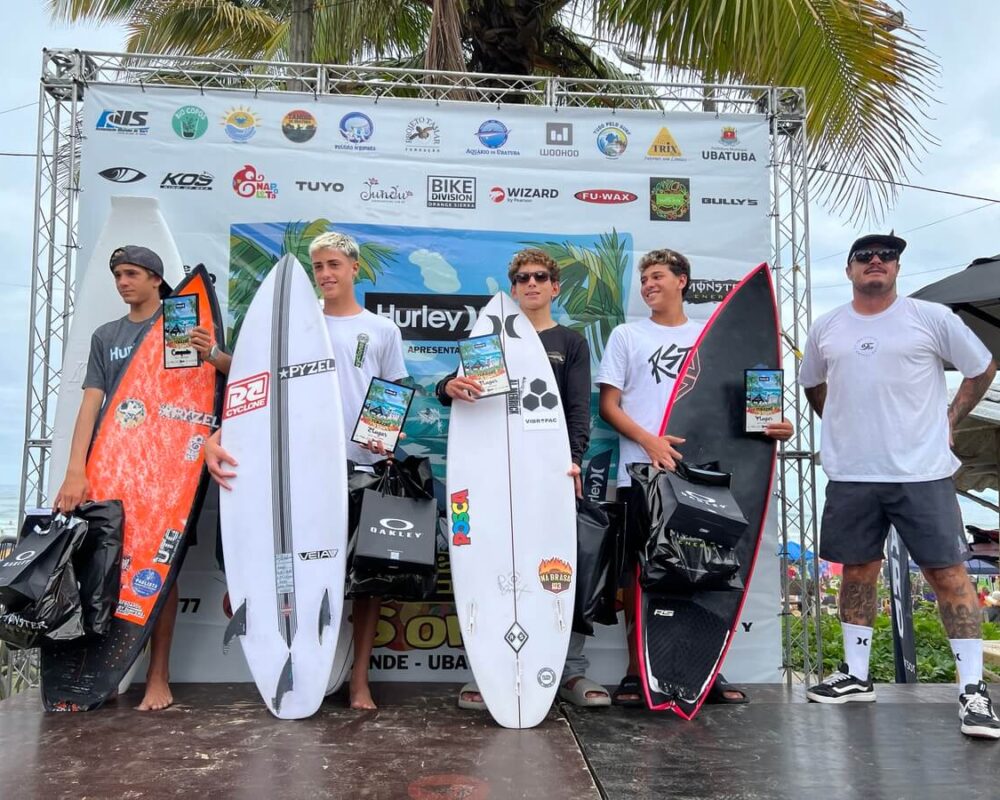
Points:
x=440 y=196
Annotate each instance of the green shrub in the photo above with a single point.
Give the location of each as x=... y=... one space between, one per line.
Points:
x=935 y=661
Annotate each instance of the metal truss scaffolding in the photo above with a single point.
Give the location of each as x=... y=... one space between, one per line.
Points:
x=67 y=73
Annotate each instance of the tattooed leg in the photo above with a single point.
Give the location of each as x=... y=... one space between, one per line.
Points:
x=957 y=601
x=858 y=594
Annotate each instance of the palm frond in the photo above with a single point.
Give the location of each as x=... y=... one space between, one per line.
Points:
x=867 y=84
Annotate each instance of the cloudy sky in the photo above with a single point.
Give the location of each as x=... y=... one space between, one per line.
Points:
x=944 y=232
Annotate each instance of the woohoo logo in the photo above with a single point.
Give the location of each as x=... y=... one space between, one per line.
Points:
x=460 y=518
x=249 y=183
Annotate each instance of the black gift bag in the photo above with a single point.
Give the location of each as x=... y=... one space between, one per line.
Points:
x=599 y=553
x=98 y=563
x=393 y=520
x=39 y=597
x=694 y=501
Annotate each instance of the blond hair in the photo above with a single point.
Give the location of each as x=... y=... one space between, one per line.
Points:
x=331 y=240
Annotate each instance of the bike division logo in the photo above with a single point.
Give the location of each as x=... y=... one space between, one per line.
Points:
x=670 y=199
x=298 y=126
x=249 y=183
x=131 y=413
x=422 y=136
x=189 y=122
x=555 y=575
x=240 y=124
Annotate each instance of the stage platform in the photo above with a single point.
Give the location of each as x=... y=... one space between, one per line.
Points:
x=218 y=741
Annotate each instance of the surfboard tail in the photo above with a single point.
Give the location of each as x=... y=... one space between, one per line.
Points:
x=237 y=626
x=284 y=684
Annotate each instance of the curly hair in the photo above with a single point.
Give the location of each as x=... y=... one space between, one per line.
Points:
x=672 y=260
x=532 y=255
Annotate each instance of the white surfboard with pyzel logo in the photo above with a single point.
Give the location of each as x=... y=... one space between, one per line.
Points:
x=284 y=524
x=133 y=220
x=512 y=527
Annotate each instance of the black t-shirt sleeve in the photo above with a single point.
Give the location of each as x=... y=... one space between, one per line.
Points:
x=576 y=397
x=442 y=396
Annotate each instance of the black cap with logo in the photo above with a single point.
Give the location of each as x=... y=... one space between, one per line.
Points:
x=885 y=239
x=141 y=257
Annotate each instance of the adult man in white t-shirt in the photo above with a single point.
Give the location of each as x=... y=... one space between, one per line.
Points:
x=640 y=366
x=365 y=346
x=874 y=370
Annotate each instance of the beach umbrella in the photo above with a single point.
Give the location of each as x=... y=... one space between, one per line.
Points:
x=974 y=294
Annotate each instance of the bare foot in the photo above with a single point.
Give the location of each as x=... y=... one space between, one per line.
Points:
x=158 y=696
x=361 y=698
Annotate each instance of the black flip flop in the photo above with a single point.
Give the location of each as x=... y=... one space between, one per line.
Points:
x=717 y=694
x=630 y=684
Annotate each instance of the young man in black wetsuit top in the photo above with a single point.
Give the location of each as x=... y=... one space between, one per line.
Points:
x=534 y=280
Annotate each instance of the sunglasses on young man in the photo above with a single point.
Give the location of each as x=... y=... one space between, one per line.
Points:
x=864 y=256
x=542 y=276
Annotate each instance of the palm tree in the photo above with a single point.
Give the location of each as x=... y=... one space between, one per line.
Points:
x=868 y=77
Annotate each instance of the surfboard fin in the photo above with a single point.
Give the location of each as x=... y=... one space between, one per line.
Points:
x=324 y=613
x=284 y=683
x=237 y=626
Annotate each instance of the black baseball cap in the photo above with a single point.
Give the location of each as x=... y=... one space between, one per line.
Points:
x=143 y=257
x=886 y=239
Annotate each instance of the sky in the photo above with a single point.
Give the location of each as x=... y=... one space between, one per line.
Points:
x=944 y=233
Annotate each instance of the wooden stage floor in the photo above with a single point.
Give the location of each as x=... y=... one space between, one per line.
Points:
x=219 y=741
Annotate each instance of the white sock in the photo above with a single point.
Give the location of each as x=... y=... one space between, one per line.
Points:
x=968 y=660
x=857 y=649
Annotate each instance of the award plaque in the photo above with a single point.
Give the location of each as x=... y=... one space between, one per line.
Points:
x=763 y=398
x=482 y=359
x=180 y=316
x=383 y=413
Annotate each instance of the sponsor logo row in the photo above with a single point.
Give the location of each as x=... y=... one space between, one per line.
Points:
x=357 y=131
x=669 y=199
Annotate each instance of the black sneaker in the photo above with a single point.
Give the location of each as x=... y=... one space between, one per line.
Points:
x=842 y=687
x=976 y=712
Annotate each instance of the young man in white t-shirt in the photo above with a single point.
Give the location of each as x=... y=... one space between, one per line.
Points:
x=640 y=366
x=365 y=346
x=874 y=370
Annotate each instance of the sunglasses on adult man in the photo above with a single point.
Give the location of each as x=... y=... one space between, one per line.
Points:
x=542 y=276
x=864 y=256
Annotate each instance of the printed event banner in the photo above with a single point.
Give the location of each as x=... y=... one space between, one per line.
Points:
x=439 y=196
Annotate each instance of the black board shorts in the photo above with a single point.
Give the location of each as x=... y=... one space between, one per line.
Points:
x=857 y=516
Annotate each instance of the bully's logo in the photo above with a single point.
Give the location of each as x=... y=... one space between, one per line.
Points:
x=555 y=575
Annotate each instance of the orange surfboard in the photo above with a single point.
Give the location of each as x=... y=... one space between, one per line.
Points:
x=147 y=452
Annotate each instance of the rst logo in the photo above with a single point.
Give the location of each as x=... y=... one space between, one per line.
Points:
x=187 y=180
x=246 y=395
x=606 y=196
x=134 y=123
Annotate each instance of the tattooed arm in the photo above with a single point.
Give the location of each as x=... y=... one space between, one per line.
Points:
x=969 y=393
